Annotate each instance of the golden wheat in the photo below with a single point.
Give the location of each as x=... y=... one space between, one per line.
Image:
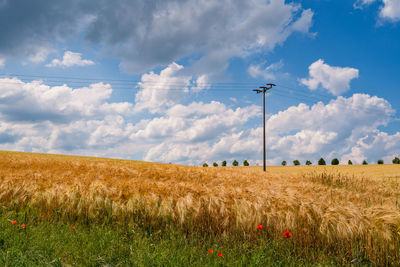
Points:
x=331 y=207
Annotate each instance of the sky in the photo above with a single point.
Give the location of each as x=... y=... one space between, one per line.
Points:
x=171 y=80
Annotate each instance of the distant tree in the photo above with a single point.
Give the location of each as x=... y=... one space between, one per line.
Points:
x=321 y=161
x=284 y=163
x=215 y=164
x=235 y=163
x=380 y=161
x=335 y=161
x=308 y=163
x=365 y=162
x=245 y=163
x=205 y=165
x=223 y=164
x=396 y=160
x=350 y=162
x=296 y=162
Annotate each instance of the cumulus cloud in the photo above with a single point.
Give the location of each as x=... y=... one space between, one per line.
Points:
x=334 y=79
x=58 y=119
x=269 y=72
x=35 y=101
x=40 y=54
x=145 y=34
x=70 y=59
x=390 y=10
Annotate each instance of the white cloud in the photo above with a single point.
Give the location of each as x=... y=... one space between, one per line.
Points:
x=158 y=91
x=41 y=53
x=38 y=117
x=35 y=101
x=70 y=59
x=201 y=84
x=269 y=72
x=390 y=10
x=363 y=3
x=334 y=79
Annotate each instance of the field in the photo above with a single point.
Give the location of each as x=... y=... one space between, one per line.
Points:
x=335 y=214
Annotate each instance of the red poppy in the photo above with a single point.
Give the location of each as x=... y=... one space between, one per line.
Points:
x=14 y=222
x=210 y=251
x=219 y=254
x=320 y=259
x=260 y=227
x=286 y=234
x=23 y=226
x=73 y=227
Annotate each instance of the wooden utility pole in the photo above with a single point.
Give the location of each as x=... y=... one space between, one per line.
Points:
x=264 y=90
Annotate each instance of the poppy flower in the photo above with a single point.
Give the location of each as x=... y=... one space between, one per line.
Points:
x=14 y=222
x=73 y=227
x=210 y=251
x=320 y=259
x=260 y=227
x=286 y=234
x=219 y=254
x=23 y=226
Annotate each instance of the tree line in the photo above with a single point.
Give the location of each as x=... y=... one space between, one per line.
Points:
x=296 y=162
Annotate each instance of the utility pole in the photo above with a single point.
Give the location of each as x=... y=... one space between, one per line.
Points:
x=263 y=90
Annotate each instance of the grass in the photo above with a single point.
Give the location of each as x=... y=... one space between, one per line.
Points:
x=343 y=212
x=57 y=244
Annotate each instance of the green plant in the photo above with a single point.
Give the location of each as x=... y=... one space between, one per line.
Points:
x=296 y=162
x=381 y=161
x=335 y=161
x=364 y=162
x=396 y=160
x=321 y=161
x=284 y=163
x=350 y=162
x=215 y=164
x=205 y=165
x=223 y=163
x=308 y=163
x=245 y=163
x=235 y=163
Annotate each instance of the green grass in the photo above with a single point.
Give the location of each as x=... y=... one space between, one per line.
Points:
x=57 y=244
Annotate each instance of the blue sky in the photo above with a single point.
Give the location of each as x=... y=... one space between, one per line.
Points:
x=171 y=81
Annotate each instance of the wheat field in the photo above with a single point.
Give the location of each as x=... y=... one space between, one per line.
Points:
x=335 y=208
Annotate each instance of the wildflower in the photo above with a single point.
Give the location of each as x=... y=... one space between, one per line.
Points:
x=73 y=227
x=319 y=258
x=219 y=254
x=260 y=227
x=286 y=234
x=23 y=226
x=14 y=222
x=210 y=251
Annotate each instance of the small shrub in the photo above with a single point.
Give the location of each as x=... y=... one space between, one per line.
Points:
x=296 y=162
x=380 y=161
x=308 y=163
x=365 y=162
x=350 y=162
x=396 y=160
x=284 y=163
x=245 y=163
x=223 y=163
x=215 y=164
x=335 y=161
x=321 y=161
x=235 y=163
x=205 y=165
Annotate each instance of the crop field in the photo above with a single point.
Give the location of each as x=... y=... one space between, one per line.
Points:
x=346 y=213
